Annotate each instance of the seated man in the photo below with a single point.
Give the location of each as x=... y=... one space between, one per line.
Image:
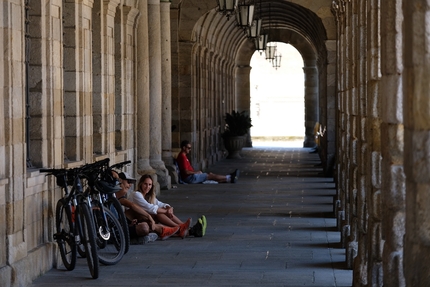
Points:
x=189 y=175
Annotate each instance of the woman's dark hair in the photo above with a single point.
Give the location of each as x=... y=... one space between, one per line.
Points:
x=184 y=143
x=150 y=196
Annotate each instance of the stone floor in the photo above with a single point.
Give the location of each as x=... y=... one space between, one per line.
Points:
x=275 y=227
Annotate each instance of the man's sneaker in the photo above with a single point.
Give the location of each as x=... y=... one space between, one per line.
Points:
x=183 y=228
x=197 y=229
x=204 y=225
x=151 y=237
x=166 y=232
x=235 y=176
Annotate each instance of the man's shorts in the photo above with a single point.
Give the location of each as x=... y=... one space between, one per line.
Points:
x=196 y=178
x=131 y=229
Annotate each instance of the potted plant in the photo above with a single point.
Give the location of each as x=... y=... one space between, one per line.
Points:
x=237 y=125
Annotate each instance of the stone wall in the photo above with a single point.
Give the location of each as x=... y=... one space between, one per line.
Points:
x=71 y=95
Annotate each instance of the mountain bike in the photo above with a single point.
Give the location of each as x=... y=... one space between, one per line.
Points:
x=113 y=204
x=110 y=236
x=74 y=223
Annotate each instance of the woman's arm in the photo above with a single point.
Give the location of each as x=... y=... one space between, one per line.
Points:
x=136 y=209
x=141 y=202
x=164 y=208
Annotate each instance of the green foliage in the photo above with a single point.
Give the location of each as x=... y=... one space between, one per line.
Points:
x=237 y=124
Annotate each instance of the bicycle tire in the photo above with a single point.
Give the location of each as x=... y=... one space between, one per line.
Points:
x=65 y=237
x=111 y=251
x=81 y=250
x=113 y=203
x=88 y=238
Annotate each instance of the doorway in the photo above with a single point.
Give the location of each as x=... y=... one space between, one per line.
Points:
x=277 y=99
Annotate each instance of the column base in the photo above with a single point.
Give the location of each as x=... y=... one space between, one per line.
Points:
x=162 y=174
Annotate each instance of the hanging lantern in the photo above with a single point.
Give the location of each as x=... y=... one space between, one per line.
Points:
x=261 y=42
x=255 y=28
x=270 y=51
x=276 y=63
x=227 y=7
x=245 y=15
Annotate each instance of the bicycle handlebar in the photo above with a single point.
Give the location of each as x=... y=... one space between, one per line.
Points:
x=92 y=170
x=120 y=164
x=53 y=170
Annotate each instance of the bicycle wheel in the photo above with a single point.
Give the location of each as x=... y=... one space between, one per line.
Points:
x=88 y=238
x=115 y=206
x=81 y=250
x=64 y=236
x=110 y=251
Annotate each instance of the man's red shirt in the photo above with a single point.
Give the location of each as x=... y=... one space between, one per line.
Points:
x=184 y=164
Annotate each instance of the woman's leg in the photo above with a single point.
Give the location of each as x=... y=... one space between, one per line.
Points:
x=165 y=220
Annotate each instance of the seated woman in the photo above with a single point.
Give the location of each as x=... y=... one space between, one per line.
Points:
x=141 y=224
x=162 y=212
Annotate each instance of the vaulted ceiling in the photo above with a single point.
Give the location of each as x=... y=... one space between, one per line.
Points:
x=306 y=25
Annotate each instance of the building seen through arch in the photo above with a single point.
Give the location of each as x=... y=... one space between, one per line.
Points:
x=128 y=80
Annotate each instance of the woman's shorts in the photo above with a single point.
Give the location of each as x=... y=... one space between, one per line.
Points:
x=196 y=178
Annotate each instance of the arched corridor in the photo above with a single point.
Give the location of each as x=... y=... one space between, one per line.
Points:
x=275 y=227
x=85 y=80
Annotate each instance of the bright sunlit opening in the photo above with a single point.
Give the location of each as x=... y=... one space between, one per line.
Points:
x=277 y=99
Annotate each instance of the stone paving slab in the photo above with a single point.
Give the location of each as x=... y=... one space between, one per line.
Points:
x=275 y=227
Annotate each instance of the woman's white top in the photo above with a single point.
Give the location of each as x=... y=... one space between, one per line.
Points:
x=137 y=198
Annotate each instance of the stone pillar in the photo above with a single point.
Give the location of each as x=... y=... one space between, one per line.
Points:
x=78 y=81
x=330 y=107
x=13 y=231
x=375 y=246
x=109 y=72
x=129 y=79
x=166 y=86
x=351 y=136
x=155 y=93
x=360 y=265
x=243 y=98
x=393 y=187
x=311 y=104
x=142 y=83
x=338 y=203
x=416 y=100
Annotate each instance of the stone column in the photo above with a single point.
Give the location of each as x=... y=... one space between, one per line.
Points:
x=350 y=108
x=129 y=80
x=330 y=107
x=416 y=100
x=155 y=93
x=243 y=99
x=107 y=96
x=361 y=265
x=78 y=81
x=373 y=196
x=142 y=84
x=311 y=102
x=392 y=141
x=166 y=86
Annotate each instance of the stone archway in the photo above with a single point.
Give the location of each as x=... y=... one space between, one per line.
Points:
x=200 y=28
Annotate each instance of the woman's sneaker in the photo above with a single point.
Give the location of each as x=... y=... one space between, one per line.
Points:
x=204 y=224
x=184 y=227
x=166 y=232
x=197 y=229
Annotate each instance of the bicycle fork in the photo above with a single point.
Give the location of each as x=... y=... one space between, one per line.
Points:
x=100 y=217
